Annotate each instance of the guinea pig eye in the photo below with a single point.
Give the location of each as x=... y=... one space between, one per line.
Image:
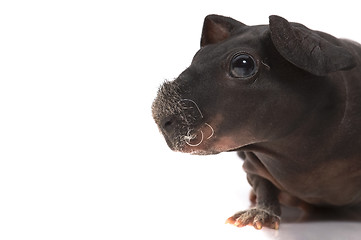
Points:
x=242 y=66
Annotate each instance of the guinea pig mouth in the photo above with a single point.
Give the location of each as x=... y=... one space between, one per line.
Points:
x=196 y=139
x=186 y=136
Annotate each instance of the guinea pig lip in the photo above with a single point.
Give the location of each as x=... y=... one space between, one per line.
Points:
x=196 y=138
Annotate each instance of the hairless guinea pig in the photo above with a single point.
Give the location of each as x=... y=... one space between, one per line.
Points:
x=286 y=98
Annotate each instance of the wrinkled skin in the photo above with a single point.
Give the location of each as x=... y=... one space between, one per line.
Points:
x=295 y=120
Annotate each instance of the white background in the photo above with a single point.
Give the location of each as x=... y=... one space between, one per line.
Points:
x=80 y=156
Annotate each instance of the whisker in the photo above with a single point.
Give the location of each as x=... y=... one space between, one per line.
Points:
x=188 y=138
x=266 y=65
x=211 y=129
x=185 y=99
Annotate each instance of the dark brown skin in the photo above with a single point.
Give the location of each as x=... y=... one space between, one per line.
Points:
x=287 y=98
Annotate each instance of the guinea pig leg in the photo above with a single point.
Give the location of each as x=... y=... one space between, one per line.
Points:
x=267 y=211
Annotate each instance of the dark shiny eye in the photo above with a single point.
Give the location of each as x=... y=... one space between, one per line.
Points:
x=243 y=66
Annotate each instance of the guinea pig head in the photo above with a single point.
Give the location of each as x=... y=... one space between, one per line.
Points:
x=242 y=88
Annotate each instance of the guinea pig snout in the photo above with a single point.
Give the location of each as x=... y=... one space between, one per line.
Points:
x=173 y=127
x=177 y=116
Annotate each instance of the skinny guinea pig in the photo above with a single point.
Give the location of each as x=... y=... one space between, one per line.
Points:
x=286 y=98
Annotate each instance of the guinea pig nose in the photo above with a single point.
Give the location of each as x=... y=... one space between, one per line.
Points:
x=168 y=123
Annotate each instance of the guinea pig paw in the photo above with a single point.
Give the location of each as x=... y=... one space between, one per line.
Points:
x=258 y=218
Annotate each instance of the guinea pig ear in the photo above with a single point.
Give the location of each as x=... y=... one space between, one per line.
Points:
x=312 y=51
x=217 y=28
